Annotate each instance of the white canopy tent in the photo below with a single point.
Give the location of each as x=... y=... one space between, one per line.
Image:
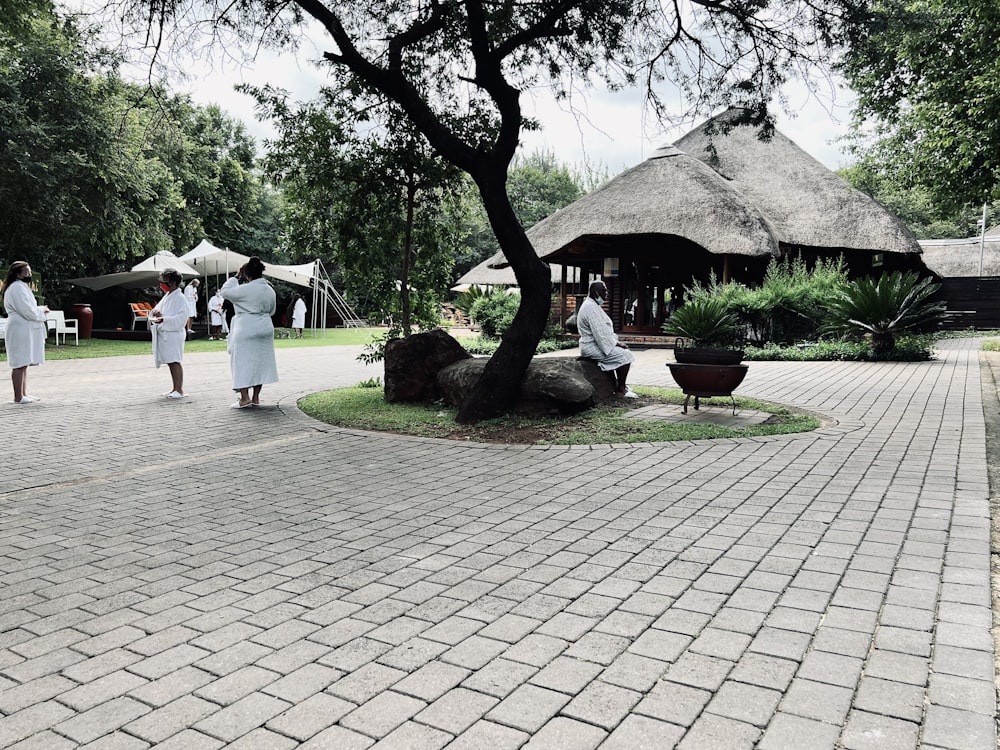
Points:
x=143 y=274
x=211 y=260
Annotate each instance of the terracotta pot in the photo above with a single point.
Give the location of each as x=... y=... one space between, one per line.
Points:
x=85 y=318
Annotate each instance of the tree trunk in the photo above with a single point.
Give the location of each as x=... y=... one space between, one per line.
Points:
x=404 y=272
x=500 y=384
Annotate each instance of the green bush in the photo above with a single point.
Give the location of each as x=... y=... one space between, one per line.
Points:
x=705 y=321
x=908 y=349
x=789 y=305
x=483 y=345
x=884 y=307
x=494 y=312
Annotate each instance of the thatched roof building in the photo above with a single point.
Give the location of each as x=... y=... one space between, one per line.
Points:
x=721 y=201
x=950 y=259
x=486 y=275
x=728 y=193
x=670 y=193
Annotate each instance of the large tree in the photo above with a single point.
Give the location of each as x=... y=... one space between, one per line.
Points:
x=457 y=69
x=373 y=200
x=927 y=76
x=537 y=185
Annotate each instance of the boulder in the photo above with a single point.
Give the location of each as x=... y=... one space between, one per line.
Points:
x=558 y=385
x=413 y=363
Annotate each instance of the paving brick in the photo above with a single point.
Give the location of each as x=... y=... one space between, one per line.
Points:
x=602 y=704
x=717 y=732
x=678 y=704
x=897 y=699
x=864 y=731
x=383 y=713
x=487 y=734
x=241 y=717
x=236 y=685
x=310 y=716
x=745 y=703
x=103 y=719
x=817 y=700
x=173 y=718
x=528 y=708
x=457 y=710
x=787 y=731
x=642 y=733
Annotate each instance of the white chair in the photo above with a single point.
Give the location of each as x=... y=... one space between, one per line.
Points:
x=59 y=324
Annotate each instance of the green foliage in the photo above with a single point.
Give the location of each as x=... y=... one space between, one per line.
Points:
x=366 y=409
x=789 y=305
x=371 y=383
x=908 y=349
x=704 y=321
x=928 y=109
x=494 y=312
x=537 y=186
x=884 y=307
x=98 y=174
x=914 y=204
x=483 y=345
x=373 y=202
x=465 y=300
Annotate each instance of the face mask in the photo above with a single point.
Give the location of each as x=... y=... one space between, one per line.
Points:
x=165 y=288
x=599 y=300
x=26 y=279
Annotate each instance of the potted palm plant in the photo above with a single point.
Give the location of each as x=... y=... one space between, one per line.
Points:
x=708 y=362
x=708 y=330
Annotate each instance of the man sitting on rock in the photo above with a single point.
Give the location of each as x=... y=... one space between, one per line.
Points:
x=599 y=342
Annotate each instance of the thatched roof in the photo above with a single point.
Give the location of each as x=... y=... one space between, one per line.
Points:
x=669 y=194
x=740 y=196
x=485 y=275
x=808 y=204
x=958 y=258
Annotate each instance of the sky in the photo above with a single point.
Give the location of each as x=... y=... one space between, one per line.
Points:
x=601 y=133
x=605 y=132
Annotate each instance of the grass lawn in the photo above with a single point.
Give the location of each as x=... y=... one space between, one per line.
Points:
x=92 y=348
x=365 y=408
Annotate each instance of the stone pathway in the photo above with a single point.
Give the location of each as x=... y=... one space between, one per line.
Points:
x=180 y=575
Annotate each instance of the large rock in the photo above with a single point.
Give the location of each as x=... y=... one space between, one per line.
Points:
x=558 y=385
x=412 y=364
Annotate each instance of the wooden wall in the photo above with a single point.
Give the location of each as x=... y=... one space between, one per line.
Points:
x=972 y=302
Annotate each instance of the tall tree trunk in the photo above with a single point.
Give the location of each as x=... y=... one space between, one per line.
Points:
x=404 y=272
x=500 y=384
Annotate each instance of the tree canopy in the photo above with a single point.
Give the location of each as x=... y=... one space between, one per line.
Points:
x=98 y=173
x=926 y=74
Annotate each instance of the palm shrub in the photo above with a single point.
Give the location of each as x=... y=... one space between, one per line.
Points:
x=705 y=321
x=883 y=308
x=465 y=300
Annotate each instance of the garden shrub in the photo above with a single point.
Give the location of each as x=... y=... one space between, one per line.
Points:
x=494 y=312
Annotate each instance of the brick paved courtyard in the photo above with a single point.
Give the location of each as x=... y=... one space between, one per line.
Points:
x=181 y=575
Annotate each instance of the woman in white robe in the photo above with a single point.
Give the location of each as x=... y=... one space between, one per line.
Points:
x=599 y=342
x=168 y=324
x=251 y=335
x=191 y=295
x=25 y=333
x=298 y=315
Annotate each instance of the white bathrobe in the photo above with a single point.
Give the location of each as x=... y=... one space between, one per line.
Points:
x=169 y=336
x=299 y=314
x=25 y=334
x=251 y=338
x=597 y=337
